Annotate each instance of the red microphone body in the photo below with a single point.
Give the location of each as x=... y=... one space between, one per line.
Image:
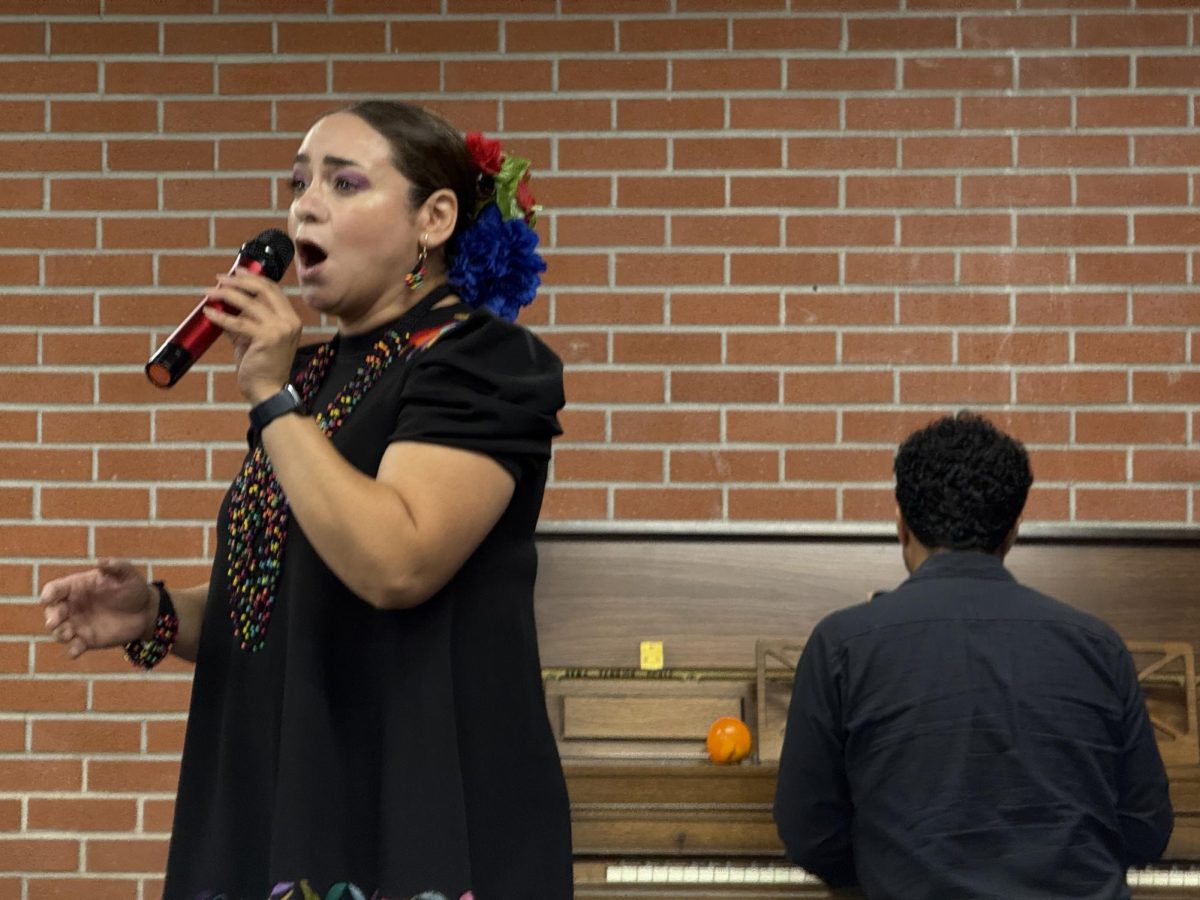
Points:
x=268 y=255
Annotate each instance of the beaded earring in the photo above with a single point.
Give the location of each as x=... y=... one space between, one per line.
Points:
x=416 y=277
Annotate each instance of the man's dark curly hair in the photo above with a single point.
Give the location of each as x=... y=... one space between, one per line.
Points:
x=961 y=483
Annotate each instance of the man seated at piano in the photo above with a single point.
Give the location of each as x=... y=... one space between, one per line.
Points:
x=964 y=736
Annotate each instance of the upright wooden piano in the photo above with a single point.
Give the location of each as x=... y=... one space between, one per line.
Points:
x=651 y=817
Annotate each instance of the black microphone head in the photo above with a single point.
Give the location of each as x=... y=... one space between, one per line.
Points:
x=273 y=249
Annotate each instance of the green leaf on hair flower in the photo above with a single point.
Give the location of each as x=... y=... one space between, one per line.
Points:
x=512 y=170
x=307 y=892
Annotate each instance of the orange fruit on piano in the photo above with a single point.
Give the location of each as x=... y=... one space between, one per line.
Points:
x=728 y=740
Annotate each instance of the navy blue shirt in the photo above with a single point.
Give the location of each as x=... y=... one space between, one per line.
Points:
x=965 y=736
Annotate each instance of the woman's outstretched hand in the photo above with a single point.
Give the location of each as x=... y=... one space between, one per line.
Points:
x=106 y=606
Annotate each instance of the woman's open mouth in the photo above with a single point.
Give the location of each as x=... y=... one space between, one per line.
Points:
x=309 y=257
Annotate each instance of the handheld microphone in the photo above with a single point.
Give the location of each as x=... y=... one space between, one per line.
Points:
x=268 y=255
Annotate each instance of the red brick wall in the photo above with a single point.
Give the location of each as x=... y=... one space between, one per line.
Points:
x=780 y=235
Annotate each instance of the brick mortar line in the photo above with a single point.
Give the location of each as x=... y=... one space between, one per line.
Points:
x=794 y=92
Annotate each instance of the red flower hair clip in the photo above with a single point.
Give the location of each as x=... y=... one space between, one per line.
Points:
x=509 y=175
x=486 y=153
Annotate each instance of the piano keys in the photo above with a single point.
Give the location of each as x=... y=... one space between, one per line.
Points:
x=769 y=879
x=695 y=880
x=703 y=873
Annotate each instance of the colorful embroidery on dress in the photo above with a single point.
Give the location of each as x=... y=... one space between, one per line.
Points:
x=343 y=890
x=258 y=510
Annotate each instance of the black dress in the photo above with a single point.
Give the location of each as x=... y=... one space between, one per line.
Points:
x=402 y=751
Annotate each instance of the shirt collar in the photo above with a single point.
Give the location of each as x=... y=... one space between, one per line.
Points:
x=962 y=564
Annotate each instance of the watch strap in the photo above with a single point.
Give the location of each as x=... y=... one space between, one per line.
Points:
x=287 y=400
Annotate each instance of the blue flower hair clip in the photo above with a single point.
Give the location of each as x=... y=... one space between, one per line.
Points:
x=496 y=264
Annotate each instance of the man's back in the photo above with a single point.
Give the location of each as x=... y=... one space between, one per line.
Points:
x=994 y=743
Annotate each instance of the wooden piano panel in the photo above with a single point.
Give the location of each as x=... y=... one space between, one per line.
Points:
x=709 y=599
x=646 y=794
x=692 y=810
x=614 y=718
x=725 y=811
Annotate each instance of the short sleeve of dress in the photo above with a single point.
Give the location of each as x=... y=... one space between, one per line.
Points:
x=489 y=386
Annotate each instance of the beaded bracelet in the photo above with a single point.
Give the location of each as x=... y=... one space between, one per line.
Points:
x=148 y=654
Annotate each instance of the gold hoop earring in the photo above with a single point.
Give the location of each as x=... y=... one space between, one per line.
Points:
x=416 y=277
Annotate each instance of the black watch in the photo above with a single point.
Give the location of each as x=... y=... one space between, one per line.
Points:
x=280 y=404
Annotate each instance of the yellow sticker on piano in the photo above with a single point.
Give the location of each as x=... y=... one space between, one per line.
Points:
x=652 y=655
